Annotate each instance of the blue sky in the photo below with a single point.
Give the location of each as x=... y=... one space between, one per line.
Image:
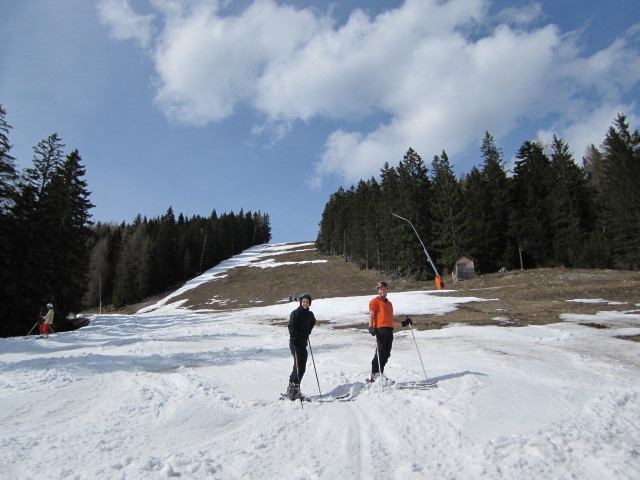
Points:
x=271 y=106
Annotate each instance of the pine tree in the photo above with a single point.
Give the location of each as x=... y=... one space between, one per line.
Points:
x=164 y=251
x=8 y=178
x=334 y=223
x=596 y=252
x=133 y=268
x=530 y=220
x=8 y=172
x=66 y=205
x=48 y=157
x=34 y=256
x=593 y=166
x=48 y=244
x=350 y=224
x=447 y=212
x=413 y=194
x=100 y=273
x=477 y=232
x=569 y=206
x=367 y=195
x=389 y=229
x=621 y=195
x=262 y=223
x=26 y=296
x=357 y=229
x=496 y=204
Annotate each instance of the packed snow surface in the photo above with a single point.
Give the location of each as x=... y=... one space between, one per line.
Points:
x=175 y=393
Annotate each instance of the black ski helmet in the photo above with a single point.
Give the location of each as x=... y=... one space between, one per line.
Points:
x=305 y=295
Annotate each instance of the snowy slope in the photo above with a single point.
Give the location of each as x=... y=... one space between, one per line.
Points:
x=173 y=393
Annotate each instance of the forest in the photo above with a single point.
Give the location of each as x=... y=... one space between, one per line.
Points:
x=52 y=252
x=547 y=211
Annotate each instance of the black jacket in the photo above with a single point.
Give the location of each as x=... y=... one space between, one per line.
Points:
x=301 y=323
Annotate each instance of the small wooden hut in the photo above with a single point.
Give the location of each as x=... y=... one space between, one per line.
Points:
x=464 y=268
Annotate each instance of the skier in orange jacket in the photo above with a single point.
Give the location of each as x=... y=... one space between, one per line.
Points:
x=381 y=324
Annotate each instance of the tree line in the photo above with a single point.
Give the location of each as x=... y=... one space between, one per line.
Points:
x=50 y=250
x=130 y=262
x=547 y=212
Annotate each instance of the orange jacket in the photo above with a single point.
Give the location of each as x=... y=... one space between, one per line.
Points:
x=383 y=312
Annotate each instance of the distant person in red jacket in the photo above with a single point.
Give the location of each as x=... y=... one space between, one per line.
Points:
x=381 y=323
x=47 y=321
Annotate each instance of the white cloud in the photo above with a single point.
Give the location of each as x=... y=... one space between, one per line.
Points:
x=124 y=23
x=446 y=104
x=422 y=71
x=524 y=15
x=586 y=126
x=361 y=67
x=209 y=64
x=609 y=72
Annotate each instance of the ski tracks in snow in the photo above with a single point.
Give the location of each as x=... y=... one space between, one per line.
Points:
x=195 y=396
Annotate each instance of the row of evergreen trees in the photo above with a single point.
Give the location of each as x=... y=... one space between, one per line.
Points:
x=51 y=252
x=131 y=262
x=44 y=232
x=547 y=212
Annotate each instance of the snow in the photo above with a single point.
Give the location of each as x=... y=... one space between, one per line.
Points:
x=175 y=393
x=594 y=300
x=270 y=263
x=607 y=319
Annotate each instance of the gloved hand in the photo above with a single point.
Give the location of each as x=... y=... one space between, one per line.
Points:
x=373 y=331
x=406 y=322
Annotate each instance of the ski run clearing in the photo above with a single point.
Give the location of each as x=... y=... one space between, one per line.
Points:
x=170 y=392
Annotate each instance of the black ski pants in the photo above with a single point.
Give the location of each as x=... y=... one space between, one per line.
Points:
x=384 y=337
x=299 y=353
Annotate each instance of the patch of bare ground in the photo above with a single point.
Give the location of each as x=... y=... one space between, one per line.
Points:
x=537 y=297
x=251 y=286
x=518 y=298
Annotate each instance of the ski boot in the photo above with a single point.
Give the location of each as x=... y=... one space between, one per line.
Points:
x=383 y=380
x=293 y=391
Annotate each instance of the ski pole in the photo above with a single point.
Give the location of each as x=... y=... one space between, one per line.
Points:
x=378 y=357
x=314 y=365
x=33 y=328
x=295 y=355
x=419 y=356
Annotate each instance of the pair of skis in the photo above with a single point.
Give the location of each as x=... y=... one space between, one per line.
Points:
x=417 y=385
x=322 y=398
x=347 y=397
x=421 y=385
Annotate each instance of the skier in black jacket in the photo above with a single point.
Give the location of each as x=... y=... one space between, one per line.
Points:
x=301 y=322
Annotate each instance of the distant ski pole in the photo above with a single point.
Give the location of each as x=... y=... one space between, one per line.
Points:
x=33 y=328
x=439 y=282
x=314 y=365
x=419 y=356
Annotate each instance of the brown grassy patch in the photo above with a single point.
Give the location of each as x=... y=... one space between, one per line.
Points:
x=530 y=297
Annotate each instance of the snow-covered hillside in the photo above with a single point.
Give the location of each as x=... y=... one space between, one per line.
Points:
x=173 y=393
